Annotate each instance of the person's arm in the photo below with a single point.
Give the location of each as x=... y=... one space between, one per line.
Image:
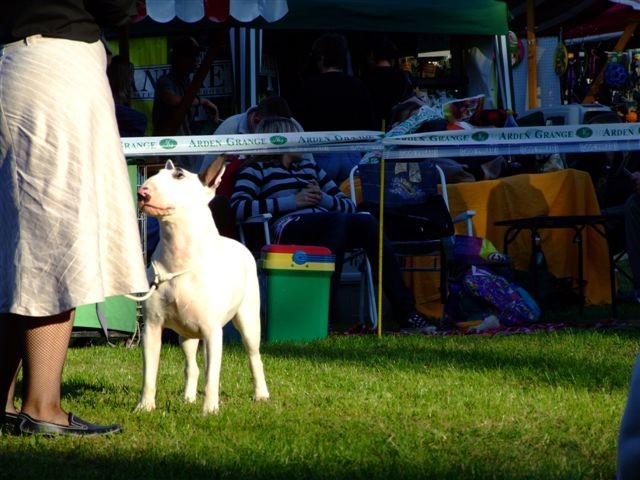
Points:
x=333 y=198
x=168 y=96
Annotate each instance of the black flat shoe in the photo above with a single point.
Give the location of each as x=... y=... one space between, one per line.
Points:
x=8 y=421
x=25 y=425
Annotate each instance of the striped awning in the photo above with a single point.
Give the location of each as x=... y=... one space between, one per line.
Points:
x=191 y=11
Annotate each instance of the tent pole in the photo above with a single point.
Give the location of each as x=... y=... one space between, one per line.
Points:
x=532 y=67
x=503 y=72
x=380 y=241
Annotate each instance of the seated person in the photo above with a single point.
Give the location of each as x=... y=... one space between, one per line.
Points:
x=239 y=124
x=415 y=116
x=308 y=208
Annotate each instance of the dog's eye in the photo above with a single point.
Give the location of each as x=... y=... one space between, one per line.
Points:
x=178 y=174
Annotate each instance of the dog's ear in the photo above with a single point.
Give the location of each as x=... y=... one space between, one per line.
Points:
x=212 y=176
x=169 y=165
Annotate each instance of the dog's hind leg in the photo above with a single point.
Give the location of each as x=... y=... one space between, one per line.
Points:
x=190 y=349
x=151 y=343
x=213 y=363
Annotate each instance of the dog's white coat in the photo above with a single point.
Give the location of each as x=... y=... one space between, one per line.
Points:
x=220 y=283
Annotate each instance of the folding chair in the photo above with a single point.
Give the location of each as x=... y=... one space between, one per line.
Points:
x=409 y=189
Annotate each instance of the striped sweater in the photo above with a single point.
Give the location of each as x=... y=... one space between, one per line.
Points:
x=269 y=187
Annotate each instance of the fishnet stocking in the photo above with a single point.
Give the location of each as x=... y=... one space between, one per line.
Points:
x=45 y=350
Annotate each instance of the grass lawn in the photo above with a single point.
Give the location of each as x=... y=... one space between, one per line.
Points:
x=545 y=405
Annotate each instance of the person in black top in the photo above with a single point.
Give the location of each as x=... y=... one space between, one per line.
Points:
x=69 y=234
x=387 y=84
x=332 y=100
x=69 y=19
x=170 y=89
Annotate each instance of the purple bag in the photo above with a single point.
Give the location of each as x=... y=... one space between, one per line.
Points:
x=513 y=305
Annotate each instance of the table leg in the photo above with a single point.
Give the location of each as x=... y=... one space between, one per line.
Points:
x=578 y=240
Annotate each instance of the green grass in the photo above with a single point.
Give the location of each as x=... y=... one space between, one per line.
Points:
x=543 y=406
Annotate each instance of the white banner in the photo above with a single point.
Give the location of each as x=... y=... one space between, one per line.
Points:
x=515 y=141
x=457 y=143
x=252 y=143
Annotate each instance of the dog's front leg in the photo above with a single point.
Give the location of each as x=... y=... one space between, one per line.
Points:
x=151 y=344
x=213 y=362
x=191 y=371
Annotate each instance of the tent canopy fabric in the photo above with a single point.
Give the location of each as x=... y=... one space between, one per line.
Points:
x=483 y=17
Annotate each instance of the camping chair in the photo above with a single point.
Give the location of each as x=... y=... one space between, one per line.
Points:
x=417 y=219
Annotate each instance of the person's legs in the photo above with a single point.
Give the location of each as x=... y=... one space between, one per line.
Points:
x=363 y=232
x=341 y=232
x=632 y=232
x=324 y=230
x=10 y=355
x=43 y=344
x=46 y=341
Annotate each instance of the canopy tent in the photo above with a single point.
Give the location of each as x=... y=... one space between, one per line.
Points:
x=483 y=17
x=470 y=17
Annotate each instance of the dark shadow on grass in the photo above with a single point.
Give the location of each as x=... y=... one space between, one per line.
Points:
x=80 y=461
x=79 y=388
x=539 y=365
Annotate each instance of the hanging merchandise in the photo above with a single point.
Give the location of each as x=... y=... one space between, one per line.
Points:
x=516 y=49
x=634 y=67
x=592 y=64
x=615 y=74
x=560 y=58
x=571 y=79
x=582 y=68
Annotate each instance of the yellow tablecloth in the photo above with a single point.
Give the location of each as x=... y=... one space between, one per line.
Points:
x=566 y=192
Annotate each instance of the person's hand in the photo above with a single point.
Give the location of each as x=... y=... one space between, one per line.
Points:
x=635 y=178
x=211 y=109
x=309 y=196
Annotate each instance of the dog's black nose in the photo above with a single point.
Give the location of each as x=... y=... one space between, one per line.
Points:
x=141 y=197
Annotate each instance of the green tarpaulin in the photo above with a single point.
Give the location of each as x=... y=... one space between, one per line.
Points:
x=485 y=17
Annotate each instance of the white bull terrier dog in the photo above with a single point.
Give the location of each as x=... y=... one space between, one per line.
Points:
x=203 y=280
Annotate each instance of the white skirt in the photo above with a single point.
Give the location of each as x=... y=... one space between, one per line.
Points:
x=68 y=230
